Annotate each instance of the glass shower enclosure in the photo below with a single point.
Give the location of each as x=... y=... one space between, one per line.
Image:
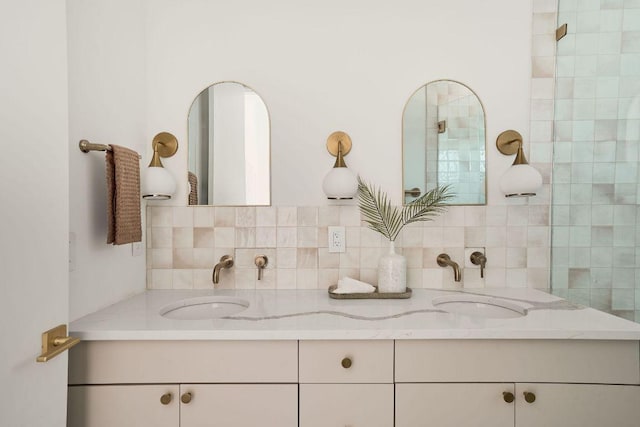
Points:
x=595 y=256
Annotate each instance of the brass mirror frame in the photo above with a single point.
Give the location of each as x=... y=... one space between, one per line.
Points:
x=484 y=116
x=269 y=158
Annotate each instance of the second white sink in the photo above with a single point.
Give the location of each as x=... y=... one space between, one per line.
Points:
x=208 y=307
x=479 y=306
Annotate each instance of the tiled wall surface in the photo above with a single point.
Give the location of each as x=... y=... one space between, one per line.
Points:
x=183 y=245
x=595 y=185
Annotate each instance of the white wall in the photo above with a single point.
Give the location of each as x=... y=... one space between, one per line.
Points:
x=336 y=65
x=34 y=200
x=106 y=105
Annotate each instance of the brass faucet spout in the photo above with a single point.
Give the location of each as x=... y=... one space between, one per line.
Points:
x=445 y=260
x=225 y=262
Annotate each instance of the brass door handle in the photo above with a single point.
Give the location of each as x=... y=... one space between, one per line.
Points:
x=166 y=398
x=54 y=342
x=529 y=397
x=508 y=396
x=346 y=362
x=186 y=397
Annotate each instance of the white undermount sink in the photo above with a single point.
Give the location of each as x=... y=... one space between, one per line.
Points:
x=207 y=307
x=479 y=306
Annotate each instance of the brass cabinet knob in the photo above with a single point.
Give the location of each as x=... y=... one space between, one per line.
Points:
x=529 y=397
x=186 y=397
x=166 y=398
x=346 y=363
x=508 y=396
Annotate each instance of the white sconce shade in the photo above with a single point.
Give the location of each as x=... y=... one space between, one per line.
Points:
x=340 y=183
x=521 y=179
x=158 y=183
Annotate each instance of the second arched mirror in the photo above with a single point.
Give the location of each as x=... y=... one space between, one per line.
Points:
x=443 y=143
x=229 y=147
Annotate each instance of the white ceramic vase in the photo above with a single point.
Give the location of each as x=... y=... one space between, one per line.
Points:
x=392 y=272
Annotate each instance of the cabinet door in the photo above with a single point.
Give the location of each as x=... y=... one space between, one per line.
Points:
x=352 y=405
x=239 y=405
x=123 y=406
x=454 y=405
x=579 y=405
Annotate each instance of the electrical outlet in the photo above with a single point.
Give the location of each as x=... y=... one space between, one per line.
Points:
x=337 y=239
x=72 y=251
x=136 y=249
x=467 y=256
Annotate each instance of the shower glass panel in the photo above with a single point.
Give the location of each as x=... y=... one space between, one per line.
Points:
x=595 y=256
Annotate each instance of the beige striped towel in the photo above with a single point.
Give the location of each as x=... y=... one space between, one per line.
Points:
x=123 y=196
x=193 y=192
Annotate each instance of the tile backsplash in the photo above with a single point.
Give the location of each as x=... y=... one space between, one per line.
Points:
x=184 y=244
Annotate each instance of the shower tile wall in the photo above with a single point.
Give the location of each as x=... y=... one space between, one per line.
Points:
x=595 y=173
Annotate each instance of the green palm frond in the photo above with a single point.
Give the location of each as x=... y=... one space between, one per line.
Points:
x=381 y=216
x=428 y=206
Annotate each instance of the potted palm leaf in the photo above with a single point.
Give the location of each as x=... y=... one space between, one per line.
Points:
x=381 y=216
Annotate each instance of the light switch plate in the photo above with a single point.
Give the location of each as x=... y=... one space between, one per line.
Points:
x=337 y=239
x=136 y=249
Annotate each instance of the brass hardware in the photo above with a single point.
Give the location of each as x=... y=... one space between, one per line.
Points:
x=442 y=126
x=164 y=145
x=86 y=146
x=186 y=397
x=54 y=342
x=529 y=397
x=508 y=396
x=346 y=362
x=561 y=32
x=166 y=398
x=339 y=140
x=444 y=260
x=261 y=262
x=414 y=192
x=226 y=261
x=478 y=258
x=508 y=142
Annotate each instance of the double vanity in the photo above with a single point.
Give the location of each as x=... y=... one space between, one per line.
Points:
x=495 y=357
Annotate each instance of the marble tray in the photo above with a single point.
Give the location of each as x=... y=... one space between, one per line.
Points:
x=370 y=295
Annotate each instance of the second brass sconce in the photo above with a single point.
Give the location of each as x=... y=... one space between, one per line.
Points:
x=521 y=179
x=340 y=183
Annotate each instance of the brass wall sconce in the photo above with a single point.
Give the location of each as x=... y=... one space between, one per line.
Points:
x=159 y=184
x=340 y=183
x=521 y=179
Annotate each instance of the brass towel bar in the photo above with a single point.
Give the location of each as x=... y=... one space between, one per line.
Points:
x=54 y=342
x=86 y=146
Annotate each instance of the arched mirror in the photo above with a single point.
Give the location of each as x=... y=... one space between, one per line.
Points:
x=443 y=143
x=229 y=147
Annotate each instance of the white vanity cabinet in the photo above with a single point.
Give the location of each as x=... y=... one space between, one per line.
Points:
x=346 y=383
x=183 y=384
x=522 y=383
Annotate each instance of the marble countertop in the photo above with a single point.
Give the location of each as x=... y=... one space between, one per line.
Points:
x=311 y=315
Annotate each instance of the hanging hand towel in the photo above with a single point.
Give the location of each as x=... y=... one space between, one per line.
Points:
x=123 y=196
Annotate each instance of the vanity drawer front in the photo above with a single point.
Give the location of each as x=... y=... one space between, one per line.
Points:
x=346 y=361
x=567 y=361
x=353 y=405
x=126 y=362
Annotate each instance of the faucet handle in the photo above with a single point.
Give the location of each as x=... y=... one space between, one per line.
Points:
x=478 y=258
x=261 y=262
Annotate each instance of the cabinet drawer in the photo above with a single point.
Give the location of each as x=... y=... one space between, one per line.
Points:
x=126 y=362
x=567 y=361
x=346 y=361
x=353 y=405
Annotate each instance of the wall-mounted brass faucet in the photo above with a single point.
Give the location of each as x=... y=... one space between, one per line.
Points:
x=445 y=260
x=226 y=261
x=261 y=262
